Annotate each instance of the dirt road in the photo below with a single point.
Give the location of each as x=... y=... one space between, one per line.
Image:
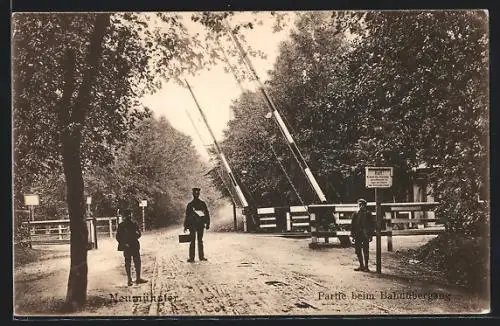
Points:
x=245 y=275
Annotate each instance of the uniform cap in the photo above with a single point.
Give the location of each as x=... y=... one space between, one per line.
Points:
x=361 y=200
x=196 y=189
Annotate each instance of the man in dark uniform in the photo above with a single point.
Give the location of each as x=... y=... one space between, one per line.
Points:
x=362 y=229
x=128 y=235
x=197 y=218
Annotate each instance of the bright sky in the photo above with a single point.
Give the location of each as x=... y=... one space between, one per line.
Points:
x=214 y=91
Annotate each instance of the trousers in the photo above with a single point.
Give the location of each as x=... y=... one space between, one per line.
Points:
x=196 y=233
x=134 y=254
x=362 y=249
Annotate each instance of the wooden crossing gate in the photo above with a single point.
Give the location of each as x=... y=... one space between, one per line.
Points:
x=325 y=221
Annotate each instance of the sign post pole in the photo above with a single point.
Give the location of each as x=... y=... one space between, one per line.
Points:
x=378 y=177
x=93 y=224
x=143 y=220
x=29 y=226
x=379 y=237
x=31 y=201
x=142 y=204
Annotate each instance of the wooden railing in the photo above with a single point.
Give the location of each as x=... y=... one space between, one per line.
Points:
x=58 y=231
x=419 y=219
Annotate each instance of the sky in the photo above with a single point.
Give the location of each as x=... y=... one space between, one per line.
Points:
x=214 y=90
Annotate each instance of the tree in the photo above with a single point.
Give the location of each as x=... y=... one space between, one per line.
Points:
x=427 y=91
x=305 y=85
x=158 y=164
x=395 y=88
x=77 y=82
x=68 y=111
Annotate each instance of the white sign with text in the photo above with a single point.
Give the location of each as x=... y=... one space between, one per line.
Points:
x=378 y=177
x=31 y=200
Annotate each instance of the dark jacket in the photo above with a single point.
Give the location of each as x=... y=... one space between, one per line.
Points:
x=128 y=233
x=192 y=219
x=362 y=224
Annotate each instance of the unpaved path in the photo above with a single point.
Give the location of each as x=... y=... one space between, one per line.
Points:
x=245 y=275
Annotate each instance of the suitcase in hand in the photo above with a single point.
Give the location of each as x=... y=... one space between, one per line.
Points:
x=183 y=238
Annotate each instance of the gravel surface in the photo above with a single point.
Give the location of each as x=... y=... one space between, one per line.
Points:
x=245 y=274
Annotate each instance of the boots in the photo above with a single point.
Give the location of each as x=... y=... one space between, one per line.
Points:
x=139 y=280
x=129 y=277
x=361 y=266
x=366 y=255
x=366 y=269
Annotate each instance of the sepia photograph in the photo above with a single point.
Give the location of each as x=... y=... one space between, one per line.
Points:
x=250 y=163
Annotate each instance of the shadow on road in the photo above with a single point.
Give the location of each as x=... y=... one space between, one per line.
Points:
x=414 y=280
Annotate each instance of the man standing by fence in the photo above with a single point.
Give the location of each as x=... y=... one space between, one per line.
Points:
x=128 y=235
x=362 y=228
x=197 y=218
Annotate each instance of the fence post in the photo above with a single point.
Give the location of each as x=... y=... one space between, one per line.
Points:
x=288 y=221
x=110 y=222
x=388 y=217
x=59 y=226
x=314 y=240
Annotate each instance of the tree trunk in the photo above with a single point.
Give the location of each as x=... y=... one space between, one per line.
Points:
x=77 y=283
x=72 y=122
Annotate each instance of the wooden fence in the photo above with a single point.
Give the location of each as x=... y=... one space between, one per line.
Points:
x=398 y=219
x=58 y=231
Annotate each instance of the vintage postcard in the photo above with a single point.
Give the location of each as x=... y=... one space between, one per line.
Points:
x=312 y=163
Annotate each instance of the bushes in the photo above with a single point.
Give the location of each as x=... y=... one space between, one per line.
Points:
x=463 y=259
x=24 y=255
x=20 y=231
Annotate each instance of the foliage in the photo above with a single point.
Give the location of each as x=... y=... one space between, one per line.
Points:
x=158 y=164
x=381 y=88
x=140 y=52
x=464 y=260
x=433 y=84
x=77 y=81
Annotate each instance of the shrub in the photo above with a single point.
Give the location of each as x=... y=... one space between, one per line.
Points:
x=463 y=259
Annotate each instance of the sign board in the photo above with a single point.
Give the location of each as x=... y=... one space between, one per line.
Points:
x=89 y=200
x=31 y=200
x=378 y=177
x=143 y=203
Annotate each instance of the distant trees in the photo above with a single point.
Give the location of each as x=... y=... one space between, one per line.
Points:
x=158 y=164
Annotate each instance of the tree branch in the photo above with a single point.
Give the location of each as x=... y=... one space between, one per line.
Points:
x=91 y=62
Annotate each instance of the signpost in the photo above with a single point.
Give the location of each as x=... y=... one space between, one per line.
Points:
x=31 y=201
x=143 y=203
x=378 y=177
x=93 y=225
